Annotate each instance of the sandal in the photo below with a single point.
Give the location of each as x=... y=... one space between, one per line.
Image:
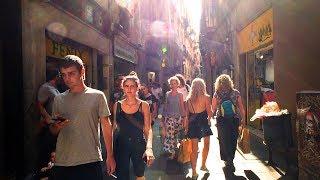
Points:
x=195 y=177
x=204 y=168
x=171 y=156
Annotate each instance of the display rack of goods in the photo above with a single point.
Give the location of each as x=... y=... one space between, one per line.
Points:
x=308 y=134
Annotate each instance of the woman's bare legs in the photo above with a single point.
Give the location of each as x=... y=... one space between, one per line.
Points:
x=194 y=156
x=205 y=152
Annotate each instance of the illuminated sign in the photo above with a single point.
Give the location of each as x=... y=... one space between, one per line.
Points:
x=257 y=33
x=125 y=51
x=60 y=50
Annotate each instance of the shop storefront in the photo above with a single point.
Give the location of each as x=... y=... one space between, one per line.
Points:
x=256 y=64
x=125 y=57
x=50 y=31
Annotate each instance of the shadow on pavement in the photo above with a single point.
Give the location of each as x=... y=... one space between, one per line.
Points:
x=251 y=175
x=229 y=175
x=205 y=176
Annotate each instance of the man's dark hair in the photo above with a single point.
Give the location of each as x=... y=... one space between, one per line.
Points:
x=51 y=74
x=71 y=60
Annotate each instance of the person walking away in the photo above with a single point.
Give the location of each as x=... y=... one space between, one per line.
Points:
x=156 y=90
x=134 y=132
x=117 y=93
x=165 y=88
x=46 y=94
x=80 y=111
x=199 y=115
x=229 y=110
x=183 y=87
x=151 y=100
x=174 y=117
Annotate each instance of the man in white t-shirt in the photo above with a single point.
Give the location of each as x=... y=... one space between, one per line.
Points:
x=80 y=111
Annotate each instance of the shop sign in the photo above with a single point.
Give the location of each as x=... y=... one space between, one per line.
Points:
x=123 y=50
x=60 y=50
x=257 y=33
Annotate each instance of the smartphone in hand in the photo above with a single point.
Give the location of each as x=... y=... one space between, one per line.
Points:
x=145 y=159
x=61 y=119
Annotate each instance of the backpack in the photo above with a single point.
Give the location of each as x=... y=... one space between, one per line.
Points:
x=227 y=107
x=187 y=87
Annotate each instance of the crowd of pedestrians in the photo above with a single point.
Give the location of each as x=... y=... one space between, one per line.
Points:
x=73 y=122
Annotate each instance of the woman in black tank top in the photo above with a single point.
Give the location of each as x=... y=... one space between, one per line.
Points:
x=134 y=134
x=199 y=122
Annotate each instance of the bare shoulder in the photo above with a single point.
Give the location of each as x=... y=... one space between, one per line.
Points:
x=207 y=98
x=116 y=104
x=144 y=104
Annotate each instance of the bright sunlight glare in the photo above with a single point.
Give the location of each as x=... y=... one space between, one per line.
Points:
x=193 y=8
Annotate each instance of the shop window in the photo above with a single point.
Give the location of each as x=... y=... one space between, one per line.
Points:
x=264 y=68
x=87 y=10
x=260 y=69
x=100 y=21
x=74 y=7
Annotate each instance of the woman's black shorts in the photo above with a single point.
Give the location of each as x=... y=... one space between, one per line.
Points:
x=127 y=149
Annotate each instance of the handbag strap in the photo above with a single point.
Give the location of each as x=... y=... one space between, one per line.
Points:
x=118 y=109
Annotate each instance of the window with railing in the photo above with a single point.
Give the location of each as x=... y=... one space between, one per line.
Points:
x=88 y=11
x=74 y=7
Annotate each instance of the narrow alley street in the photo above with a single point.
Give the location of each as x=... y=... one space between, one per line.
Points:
x=248 y=166
x=65 y=64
